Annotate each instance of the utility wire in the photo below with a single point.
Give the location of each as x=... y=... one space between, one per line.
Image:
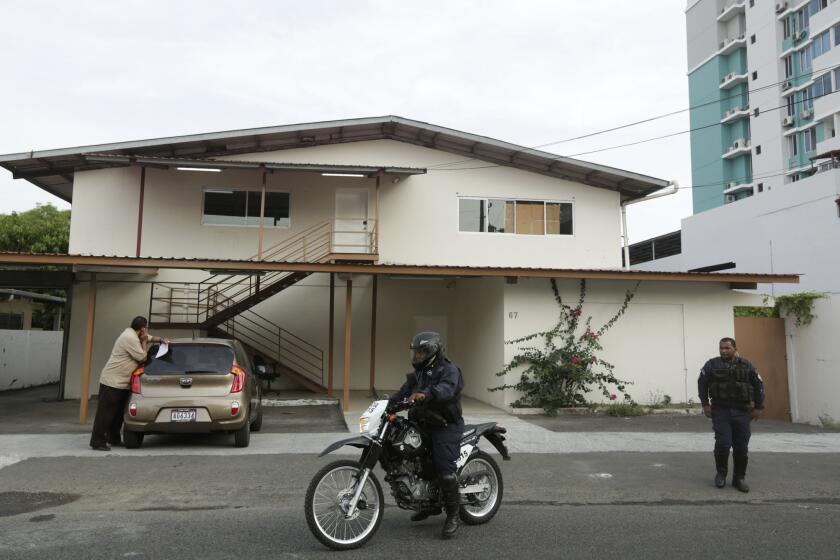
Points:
x=646 y=140
x=647 y=120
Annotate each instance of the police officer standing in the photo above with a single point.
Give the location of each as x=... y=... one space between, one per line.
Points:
x=737 y=397
x=435 y=387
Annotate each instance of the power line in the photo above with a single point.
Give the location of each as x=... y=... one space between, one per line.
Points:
x=649 y=119
x=646 y=140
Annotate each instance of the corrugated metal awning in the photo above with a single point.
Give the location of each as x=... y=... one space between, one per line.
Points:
x=213 y=265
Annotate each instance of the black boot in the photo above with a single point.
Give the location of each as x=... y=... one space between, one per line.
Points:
x=425 y=513
x=721 y=466
x=739 y=472
x=452 y=504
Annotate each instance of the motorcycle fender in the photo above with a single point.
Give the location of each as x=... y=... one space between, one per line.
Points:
x=497 y=440
x=357 y=441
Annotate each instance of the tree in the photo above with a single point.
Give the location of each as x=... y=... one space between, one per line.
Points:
x=44 y=229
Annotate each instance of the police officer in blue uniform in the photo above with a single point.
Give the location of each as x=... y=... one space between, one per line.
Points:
x=435 y=387
x=736 y=391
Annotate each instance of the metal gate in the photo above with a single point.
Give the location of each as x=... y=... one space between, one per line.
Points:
x=761 y=340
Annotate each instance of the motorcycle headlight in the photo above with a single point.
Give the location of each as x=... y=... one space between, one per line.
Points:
x=364 y=424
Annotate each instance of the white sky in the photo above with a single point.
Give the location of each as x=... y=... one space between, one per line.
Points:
x=528 y=72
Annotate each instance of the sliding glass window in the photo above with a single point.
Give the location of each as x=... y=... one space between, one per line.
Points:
x=523 y=217
x=242 y=208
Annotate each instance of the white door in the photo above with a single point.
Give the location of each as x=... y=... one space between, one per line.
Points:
x=351 y=231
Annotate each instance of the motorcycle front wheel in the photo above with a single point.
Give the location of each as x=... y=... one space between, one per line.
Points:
x=482 y=473
x=327 y=502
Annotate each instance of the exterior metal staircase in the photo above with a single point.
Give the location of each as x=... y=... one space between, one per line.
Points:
x=221 y=304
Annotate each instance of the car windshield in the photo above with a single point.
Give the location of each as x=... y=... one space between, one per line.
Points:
x=192 y=358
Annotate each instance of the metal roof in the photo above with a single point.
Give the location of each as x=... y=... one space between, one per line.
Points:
x=198 y=163
x=53 y=170
x=739 y=279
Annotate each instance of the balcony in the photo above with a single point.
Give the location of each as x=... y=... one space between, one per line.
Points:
x=734 y=187
x=731 y=11
x=728 y=46
x=738 y=148
x=732 y=79
x=735 y=114
x=783 y=10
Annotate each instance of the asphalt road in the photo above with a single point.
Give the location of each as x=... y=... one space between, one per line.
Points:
x=596 y=505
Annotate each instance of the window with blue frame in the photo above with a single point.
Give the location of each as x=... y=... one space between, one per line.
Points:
x=803 y=18
x=804 y=60
x=810 y=137
x=821 y=44
x=815 y=6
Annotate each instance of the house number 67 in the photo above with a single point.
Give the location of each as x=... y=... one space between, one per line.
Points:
x=513 y=314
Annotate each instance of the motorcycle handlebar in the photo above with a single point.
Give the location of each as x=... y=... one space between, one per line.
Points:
x=404 y=404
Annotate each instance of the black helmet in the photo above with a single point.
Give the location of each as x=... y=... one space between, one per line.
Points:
x=425 y=348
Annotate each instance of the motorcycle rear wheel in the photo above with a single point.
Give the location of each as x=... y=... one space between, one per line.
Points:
x=480 y=507
x=327 y=498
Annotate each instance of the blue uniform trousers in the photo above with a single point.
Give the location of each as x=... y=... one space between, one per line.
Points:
x=732 y=430
x=446 y=445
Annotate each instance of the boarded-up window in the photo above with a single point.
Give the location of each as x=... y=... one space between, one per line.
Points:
x=530 y=217
x=523 y=217
x=558 y=218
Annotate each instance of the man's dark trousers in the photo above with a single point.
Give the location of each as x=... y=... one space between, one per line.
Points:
x=446 y=446
x=109 y=415
x=732 y=429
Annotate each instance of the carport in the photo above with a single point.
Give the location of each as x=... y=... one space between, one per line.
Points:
x=90 y=266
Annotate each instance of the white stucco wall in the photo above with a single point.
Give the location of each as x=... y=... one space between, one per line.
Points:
x=29 y=358
x=813 y=358
x=418 y=215
x=479 y=335
x=665 y=337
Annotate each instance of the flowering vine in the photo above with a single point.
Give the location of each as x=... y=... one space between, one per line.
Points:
x=566 y=368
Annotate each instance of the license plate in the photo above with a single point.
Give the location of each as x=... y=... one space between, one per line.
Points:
x=183 y=415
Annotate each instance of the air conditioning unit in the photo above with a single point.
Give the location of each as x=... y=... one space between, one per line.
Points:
x=739 y=144
x=781 y=7
x=787 y=121
x=727 y=198
x=805 y=114
x=722 y=44
x=798 y=35
x=731 y=185
x=730 y=76
x=787 y=85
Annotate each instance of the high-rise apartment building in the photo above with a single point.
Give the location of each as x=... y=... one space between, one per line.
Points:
x=762 y=74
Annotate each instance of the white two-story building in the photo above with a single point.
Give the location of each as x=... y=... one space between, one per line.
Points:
x=324 y=247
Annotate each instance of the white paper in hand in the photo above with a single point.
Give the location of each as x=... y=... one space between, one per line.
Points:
x=162 y=349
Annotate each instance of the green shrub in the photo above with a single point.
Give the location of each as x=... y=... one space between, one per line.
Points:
x=625 y=409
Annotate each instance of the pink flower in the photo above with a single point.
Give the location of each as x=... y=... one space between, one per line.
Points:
x=575 y=312
x=575 y=360
x=594 y=359
x=613 y=397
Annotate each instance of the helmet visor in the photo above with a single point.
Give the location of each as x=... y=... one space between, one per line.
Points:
x=418 y=355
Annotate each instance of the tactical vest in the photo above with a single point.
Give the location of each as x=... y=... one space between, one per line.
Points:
x=434 y=415
x=731 y=384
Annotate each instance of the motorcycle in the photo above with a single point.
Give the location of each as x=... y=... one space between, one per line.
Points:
x=344 y=501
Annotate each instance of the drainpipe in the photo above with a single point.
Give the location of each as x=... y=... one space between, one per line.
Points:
x=672 y=189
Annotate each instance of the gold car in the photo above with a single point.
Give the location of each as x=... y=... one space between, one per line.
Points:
x=198 y=386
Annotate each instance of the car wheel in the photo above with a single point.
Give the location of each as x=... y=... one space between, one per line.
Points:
x=242 y=436
x=256 y=425
x=132 y=440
